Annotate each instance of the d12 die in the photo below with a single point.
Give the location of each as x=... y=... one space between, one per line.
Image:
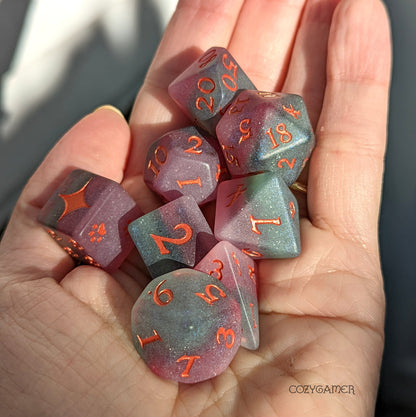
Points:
x=237 y=272
x=186 y=326
x=184 y=162
x=206 y=87
x=259 y=215
x=266 y=132
x=88 y=216
x=173 y=236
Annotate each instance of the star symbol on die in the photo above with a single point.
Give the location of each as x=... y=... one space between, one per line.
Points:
x=74 y=201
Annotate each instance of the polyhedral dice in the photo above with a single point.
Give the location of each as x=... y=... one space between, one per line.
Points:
x=259 y=215
x=186 y=326
x=173 y=236
x=88 y=216
x=266 y=132
x=205 y=89
x=237 y=272
x=184 y=162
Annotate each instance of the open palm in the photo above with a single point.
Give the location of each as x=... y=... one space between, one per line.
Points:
x=65 y=344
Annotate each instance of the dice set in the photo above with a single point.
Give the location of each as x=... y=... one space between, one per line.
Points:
x=201 y=304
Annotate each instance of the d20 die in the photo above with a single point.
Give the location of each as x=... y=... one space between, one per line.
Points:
x=259 y=215
x=186 y=326
x=206 y=87
x=173 y=236
x=184 y=162
x=88 y=216
x=237 y=272
x=266 y=132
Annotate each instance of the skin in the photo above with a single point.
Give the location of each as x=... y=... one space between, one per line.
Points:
x=65 y=344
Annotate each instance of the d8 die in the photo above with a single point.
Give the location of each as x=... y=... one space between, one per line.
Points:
x=259 y=215
x=184 y=162
x=204 y=89
x=88 y=216
x=266 y=132
x=186 y=326
x=237 y=272
x=173 y=236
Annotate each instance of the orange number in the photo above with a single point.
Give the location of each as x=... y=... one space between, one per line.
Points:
x=229 y=156
x=157 y=294
x=246 y=131
x=255 y=222
x=218 y=270
x=252 y=273
x=179 y=241
x=292 y=111
x=281 y=130
x=206 y=80
x=194 y=149
x=229 y=332
x=209 y=297
x=191 y=360
x=252 y=253
x=158 y=161
x=252 y=315
x=240 y=190
x=290 y=164
x=207 y=58
x=209 y=105
x=188 y=182
x=150 y=339
x=230 y=65
x=230 y=84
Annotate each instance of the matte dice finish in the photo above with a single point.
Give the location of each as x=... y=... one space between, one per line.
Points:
x=259 y=215
x=88 y=216
x=174 y=236
x=205 y=89
x=186 y=326
x=237 y=272
x=264 y=131
x=184 y=162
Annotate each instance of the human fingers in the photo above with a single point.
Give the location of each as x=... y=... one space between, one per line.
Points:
x=26 y=251
x=346 y=167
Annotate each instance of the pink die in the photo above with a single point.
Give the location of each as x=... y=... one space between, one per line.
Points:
x=237 y=272
x=185 y=162
x=88 y=216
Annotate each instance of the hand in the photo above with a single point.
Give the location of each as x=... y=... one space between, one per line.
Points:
x=65 y=344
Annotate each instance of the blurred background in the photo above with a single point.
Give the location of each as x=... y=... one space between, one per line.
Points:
x=61 y=59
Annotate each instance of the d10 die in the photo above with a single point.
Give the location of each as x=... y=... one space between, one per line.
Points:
x=186 y=326
x=237 y=272
x=184 y=162
x=88 y=216
x=266 y=132
x=259 y=215
x=173 y=236
x=204 y=89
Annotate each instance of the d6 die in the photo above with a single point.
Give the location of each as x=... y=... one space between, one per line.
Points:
x=264 y=131
x=237 y=272
x=205 y=88
x=259 y=215
x=173 y=236
x=88 y=216
x=186 y=326
x=184 y=162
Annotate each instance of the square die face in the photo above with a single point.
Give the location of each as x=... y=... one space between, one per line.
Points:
x=259 y=215
x=174 y=236
x=93 y=212
x=237 y=272
x=205 y=89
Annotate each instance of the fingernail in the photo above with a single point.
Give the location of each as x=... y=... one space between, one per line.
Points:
x=110 y=107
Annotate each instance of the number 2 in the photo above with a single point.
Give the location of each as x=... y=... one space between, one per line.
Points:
x=176 y=241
